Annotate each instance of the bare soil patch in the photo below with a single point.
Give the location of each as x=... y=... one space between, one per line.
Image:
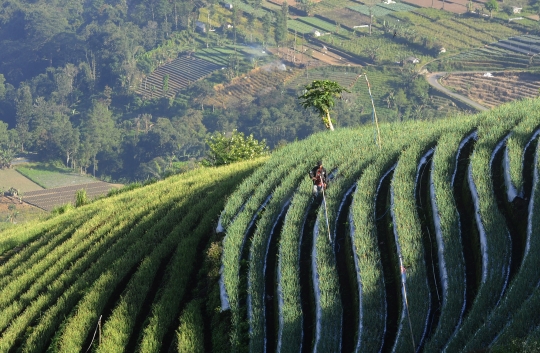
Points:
x=347 y=17
x=11 y=178
x=437 y=4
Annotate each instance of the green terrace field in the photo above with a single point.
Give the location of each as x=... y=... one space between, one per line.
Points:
x=518 y=52
x=52 y=177
x=441 y=215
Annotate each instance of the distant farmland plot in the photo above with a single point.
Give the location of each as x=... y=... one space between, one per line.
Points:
x=344 y=78
x=50 y=198
x=50 y=178
x=300 y=27
x=244 y=88
x=501 y=87
x=182 y=72
x=513 y=53
x=438 y=4
x=11 y=178
x=347 y=17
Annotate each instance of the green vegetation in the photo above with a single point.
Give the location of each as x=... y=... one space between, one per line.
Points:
x=49 y=176
x=410 y=241
x=110 y=235
x=56 y=276
x=237 y=147
x=140 y=90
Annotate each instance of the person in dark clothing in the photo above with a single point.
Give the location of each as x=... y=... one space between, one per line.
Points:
x=319 y=177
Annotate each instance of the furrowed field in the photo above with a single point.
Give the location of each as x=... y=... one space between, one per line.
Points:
x=427 y=243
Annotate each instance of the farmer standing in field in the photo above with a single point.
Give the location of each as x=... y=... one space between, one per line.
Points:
x=318 y=175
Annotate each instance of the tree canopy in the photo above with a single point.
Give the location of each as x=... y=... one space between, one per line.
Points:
x=226 y=149
x=320 y=95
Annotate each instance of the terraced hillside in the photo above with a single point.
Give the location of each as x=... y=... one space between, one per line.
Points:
x=245 y=88
x=517 y=52
x=499 y=88
x=176 y=75
x=429 y=243
x=426 y=243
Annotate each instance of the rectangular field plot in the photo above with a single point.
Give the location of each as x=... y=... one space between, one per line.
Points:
x=50 y=198
x=347 y=17
x=439 y=5
x=398 y=7
x=317 y=22
x=10 y=178
x=375 y=11
x=181 y=72
x=300 y=27
x=51 y=178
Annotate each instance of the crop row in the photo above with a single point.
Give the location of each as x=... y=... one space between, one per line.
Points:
x=236 y=228
x=409 y=240
x=330 y=332
x=447 y=231
x=162 y=232
x=514 y=154
x=90 y=247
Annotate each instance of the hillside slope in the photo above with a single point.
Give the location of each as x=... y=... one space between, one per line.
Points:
x=429 y=241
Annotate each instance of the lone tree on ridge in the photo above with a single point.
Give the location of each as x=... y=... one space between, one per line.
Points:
x=320 y=94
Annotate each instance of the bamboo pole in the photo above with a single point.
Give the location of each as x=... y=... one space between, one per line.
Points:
x=374 y=113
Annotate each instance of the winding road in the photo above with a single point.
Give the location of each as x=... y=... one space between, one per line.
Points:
x=433 y=80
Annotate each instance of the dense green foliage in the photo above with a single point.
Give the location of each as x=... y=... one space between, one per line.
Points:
x=226 y=150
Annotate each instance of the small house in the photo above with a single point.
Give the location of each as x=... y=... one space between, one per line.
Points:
x=200 y=26
x=442 y=50
x=516 y=9
x=228 y=6
x=412 y=60
x=315 y=33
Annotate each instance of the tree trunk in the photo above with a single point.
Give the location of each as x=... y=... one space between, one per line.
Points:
x=94 y=167
x=328 y=122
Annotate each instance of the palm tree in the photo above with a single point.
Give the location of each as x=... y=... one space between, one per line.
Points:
x=320 y=94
